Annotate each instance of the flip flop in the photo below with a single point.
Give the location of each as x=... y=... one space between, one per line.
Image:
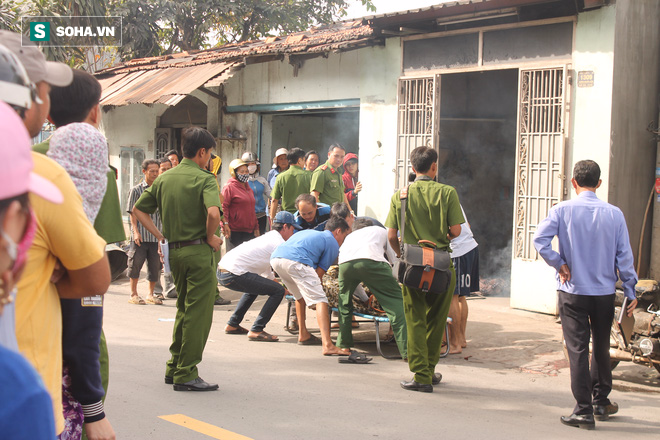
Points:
x=136 y=300
x=154 y=301
x=355 y=358
x=237 y=331
x=263 y=337
x=312 y=340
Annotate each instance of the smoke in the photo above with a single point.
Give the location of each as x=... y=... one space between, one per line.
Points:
x=317 y=131
x=477 y=157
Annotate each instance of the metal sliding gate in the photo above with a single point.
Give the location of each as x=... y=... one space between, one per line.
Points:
x=540 y=153
x=540 y=180
x=417 y=120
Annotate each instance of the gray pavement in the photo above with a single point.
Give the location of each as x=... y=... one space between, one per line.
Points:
x=511 y=382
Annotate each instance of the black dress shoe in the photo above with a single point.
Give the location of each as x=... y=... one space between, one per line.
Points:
x=584 y=421
x=603 y=412
x=169 y=380
x=437 y=377
x=415 y=386
x=196 y=385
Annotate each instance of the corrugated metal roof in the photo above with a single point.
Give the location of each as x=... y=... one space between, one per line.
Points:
x=168 y=79
x=320 y=39
x=165 y=85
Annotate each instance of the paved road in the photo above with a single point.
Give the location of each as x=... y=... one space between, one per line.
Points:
x=510 y=383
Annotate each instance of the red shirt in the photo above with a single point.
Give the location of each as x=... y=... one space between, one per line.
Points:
x=238 y=206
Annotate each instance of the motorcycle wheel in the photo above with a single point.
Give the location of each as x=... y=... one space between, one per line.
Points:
x=657 y=367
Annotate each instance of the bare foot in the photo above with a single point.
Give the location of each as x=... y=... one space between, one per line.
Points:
x=464 y=344
x=455 y=350
x=336 y=351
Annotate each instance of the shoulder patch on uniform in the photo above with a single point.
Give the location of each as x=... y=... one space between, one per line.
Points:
x=324 y=167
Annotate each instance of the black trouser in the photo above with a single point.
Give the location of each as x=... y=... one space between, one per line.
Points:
x=582 y=316
x=263 y=221
x=238 y=238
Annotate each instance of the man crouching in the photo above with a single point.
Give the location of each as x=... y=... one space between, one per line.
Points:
x=301 y=263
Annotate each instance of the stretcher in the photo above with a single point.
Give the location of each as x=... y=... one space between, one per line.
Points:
x=376 y=320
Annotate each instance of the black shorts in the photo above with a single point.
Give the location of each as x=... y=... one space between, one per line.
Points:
x=148 y=250
x=467 y=273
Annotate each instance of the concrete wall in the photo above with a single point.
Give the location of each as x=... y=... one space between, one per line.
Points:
x=369 y=74
x=131 y=126
x=634 y=105
x=591 y=107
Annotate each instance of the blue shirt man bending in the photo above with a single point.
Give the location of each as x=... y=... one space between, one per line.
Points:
x=593 y=247
x=301 y=263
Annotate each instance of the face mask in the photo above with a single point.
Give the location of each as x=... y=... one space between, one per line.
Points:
x=252 y=169
x=243 y=177
x=18 y=252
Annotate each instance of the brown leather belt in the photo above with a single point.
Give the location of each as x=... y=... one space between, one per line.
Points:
x=180 y=244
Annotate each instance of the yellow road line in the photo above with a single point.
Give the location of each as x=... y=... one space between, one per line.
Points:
x=203 y=428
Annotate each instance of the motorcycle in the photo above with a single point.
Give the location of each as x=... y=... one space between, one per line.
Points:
x=643 y=344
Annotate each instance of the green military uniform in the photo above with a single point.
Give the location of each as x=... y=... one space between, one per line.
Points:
x=328 y=182
x=377 y=276
x=183 y=196
x=289 y=185
x=431 y=209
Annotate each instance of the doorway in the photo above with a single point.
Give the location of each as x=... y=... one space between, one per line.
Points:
x=309 y=130
x=477 y=156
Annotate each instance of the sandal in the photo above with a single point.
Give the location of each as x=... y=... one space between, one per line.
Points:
x=153 y=300
x=237 y=331
x=136 y=300
x=355 y=358
x=159 y=296
x=263 y=337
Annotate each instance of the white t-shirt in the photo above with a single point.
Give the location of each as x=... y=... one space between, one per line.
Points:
x=252 y=256
x=367 y=243
x=465 y=242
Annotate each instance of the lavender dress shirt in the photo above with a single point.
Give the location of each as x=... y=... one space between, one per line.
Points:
x=593 y=242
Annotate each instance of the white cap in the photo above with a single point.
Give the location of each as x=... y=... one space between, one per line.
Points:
x=38 y=69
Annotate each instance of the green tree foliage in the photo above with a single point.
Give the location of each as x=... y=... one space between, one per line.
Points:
x=152 y=28
x=11 y=12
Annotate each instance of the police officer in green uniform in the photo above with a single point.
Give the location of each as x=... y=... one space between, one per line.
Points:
x=433 y=213
x=187 y=199
x=290 y=183
x=327 y=184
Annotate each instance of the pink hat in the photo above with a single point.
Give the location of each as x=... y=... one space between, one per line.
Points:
x=16 y=176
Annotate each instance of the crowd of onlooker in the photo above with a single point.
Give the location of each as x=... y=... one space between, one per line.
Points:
x=60 y=209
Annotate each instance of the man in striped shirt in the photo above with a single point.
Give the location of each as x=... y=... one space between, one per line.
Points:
x=144 y=246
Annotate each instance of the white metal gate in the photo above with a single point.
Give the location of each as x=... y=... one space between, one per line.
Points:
x=417 y=119
x=539 y=181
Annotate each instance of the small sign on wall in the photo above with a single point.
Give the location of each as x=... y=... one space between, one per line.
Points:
x=586 y=78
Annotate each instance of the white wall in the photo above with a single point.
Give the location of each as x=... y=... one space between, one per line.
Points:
x=369 y=74
x=591 y=107
x=130 y=126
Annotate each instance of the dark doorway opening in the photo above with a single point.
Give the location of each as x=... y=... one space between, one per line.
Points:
x=477 y=152
x=310 y=130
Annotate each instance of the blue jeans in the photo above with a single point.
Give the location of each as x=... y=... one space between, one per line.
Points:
x=252 y=285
